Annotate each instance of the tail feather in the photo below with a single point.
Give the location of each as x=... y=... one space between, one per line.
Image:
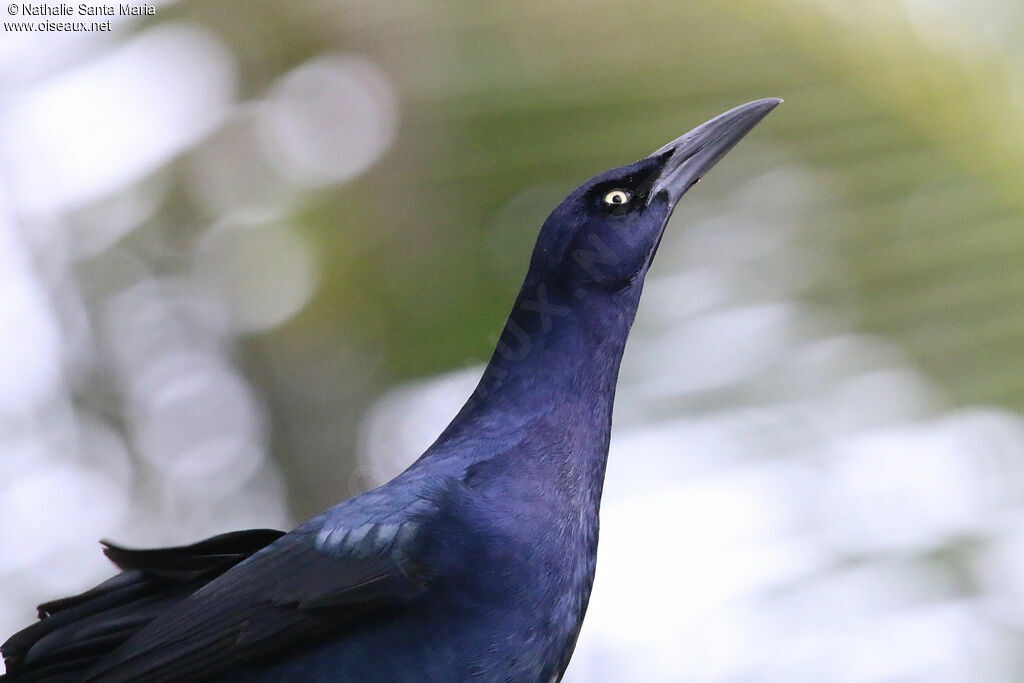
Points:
x=74 y=633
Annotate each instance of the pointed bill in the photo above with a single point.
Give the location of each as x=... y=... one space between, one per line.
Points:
x=690 y=156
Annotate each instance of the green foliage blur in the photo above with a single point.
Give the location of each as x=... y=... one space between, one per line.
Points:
x=908 y=112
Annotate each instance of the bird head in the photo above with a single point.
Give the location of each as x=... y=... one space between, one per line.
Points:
x=604 y=235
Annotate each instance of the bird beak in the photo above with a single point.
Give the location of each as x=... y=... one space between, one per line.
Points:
x=688 y=158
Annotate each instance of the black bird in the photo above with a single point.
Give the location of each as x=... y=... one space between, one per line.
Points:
x=475 y=563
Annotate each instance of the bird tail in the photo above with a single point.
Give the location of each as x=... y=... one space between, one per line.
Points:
x=74 y=633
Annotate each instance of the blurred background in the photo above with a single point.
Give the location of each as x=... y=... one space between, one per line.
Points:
x=253 y=255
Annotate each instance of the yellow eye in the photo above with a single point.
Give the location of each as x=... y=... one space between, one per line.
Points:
x=618 y=197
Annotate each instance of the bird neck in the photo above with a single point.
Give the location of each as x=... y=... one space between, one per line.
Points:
x=556 y=349
x=552 y=376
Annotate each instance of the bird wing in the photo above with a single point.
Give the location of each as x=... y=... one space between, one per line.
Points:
x=76 y=632
x=308 y=582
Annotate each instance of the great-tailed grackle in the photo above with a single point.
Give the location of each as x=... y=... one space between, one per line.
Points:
x=475 y=563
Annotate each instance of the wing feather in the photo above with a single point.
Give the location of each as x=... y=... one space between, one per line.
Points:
x=76 y=632
x=291 y=591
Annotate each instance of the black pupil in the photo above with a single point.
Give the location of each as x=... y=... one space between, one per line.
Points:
x=618 y=198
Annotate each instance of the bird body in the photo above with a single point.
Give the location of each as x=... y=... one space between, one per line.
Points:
x=477 y=562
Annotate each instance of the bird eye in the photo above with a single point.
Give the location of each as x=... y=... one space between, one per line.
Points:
x=618 y=197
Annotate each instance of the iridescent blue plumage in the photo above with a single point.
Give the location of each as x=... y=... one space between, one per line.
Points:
x=477 y=562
